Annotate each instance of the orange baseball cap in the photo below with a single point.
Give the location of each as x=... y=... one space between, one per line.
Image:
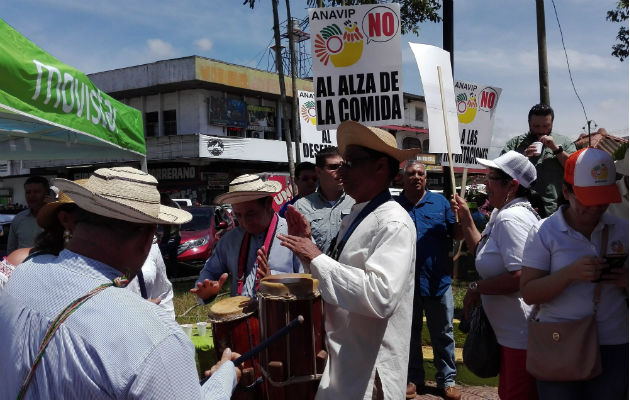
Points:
x=591 y=172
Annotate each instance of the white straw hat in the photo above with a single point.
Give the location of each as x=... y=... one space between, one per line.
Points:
x=246 y=188
x=123 y=193
x=351 y=132
x=514 y=164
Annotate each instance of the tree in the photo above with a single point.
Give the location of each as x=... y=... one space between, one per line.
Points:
x=412 y=12
x=620 y=14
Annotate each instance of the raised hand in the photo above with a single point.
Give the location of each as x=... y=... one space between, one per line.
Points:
x=297 y=223
x=208 y=288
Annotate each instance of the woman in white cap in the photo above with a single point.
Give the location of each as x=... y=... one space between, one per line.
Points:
x=564 y=258
x=498 y=252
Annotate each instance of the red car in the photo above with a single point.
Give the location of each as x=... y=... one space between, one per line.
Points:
x=201 y=234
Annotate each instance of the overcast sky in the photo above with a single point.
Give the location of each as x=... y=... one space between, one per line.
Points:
x=495 y=44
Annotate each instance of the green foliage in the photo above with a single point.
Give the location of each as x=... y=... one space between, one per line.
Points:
x=412 y=12
x=620 y=152
x=620 y=14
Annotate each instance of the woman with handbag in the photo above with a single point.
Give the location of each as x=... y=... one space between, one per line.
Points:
x=498 y=261
x=578 y=338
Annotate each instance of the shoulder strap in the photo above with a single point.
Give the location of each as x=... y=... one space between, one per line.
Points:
x=526 y=205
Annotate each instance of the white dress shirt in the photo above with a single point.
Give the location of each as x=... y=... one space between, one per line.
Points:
x=157 y=284
x=368 y=298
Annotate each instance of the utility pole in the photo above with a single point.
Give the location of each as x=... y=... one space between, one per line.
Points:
x=447 y=44
x=543 y=76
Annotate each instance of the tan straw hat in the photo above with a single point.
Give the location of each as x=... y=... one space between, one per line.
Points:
x=123 y=193
x=350 y=132
x=47 y=214
x=246 y=188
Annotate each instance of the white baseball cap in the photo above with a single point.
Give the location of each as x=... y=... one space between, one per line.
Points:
x=514 y=164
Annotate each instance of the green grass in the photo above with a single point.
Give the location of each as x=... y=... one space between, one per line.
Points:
x=187 y=311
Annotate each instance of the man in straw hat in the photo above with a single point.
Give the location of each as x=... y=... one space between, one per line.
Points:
x=251 y=251
x=69 y=330
x=367 y=277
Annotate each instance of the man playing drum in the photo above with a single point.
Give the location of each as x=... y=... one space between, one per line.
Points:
x=367 y=277
x=250 y=251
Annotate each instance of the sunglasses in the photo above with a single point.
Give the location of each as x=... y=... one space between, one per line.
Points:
x=333 y=167
x=353 y=163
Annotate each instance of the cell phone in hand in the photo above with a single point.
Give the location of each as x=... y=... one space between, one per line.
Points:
x=614 y=261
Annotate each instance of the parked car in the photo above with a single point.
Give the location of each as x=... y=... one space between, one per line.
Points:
x=200 y=235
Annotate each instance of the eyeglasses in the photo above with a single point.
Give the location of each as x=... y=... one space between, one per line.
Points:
x=495 y=178
x=353 y=163
x=332 y=167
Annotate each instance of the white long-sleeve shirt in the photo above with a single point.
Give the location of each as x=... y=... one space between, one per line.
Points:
x=157 y=284
x=369 y=300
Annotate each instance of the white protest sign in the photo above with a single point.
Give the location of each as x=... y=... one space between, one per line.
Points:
x=357 y=62
x=312 y=139
x=476 y=106
x=428 y=59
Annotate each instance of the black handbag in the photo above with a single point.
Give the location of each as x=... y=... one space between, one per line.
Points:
x=482 y=353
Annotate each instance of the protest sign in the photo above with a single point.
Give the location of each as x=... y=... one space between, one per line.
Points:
x=357 y=61
x=476 y=106
x=312 y=139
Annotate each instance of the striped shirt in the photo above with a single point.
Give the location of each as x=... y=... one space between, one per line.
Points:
x=115 y=346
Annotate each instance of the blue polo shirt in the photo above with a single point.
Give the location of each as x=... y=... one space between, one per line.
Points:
x=434 y=222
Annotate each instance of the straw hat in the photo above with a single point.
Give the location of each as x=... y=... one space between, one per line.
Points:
x=123 y=193
x=246 y=188
x=350 y=132
x=48 y=213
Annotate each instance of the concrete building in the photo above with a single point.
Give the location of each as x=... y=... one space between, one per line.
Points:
x=207 y=121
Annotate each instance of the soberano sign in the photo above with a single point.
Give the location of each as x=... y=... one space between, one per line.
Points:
x=49 y=110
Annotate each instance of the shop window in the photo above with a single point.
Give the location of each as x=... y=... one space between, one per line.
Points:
x=419 y=114
x=234 y=132
x=151 y=124
x=255 y=134
x=170 y=122
x=411 y=143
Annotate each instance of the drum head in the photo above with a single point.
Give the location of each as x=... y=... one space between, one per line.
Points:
x=289 y=286
x=232 y=308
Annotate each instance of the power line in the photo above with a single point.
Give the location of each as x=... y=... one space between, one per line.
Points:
x=567 y=58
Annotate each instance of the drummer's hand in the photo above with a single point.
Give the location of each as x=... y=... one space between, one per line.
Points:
x=261 y=261
x=226 y=356
x=302 y=247
x=155 y=301
x=297 y=223
x=208 y=288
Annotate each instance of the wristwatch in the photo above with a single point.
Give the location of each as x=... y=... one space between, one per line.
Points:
x=472 y=286
x=558 y=151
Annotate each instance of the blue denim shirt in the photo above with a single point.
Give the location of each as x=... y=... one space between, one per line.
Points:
x=434 y=222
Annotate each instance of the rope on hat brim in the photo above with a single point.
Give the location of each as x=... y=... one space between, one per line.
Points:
x=121 y=281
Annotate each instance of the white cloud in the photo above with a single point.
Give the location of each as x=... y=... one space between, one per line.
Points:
x=203 y=44
x=160 y=49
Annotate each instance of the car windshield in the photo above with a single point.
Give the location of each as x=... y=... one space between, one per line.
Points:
x=200 y=219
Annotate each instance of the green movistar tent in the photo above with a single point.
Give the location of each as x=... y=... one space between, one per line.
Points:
x=49 y=110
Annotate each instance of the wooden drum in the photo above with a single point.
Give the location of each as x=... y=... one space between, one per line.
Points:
x=235 y=325
x=293 y=365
